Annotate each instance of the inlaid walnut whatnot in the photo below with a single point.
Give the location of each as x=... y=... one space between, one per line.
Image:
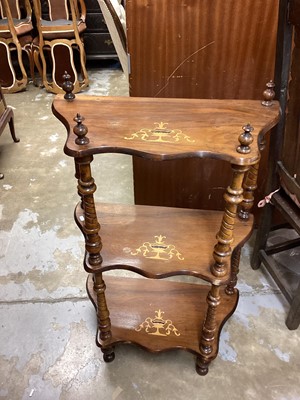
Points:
x=159 y=242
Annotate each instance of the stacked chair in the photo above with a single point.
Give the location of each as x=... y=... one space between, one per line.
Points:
x=6 y=117
x=59 y=46
x=15 y=38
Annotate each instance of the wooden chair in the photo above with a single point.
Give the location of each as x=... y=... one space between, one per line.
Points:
x=15 y=37
x=6 y=117
x=114 y=16
x=284 y=174
x=60 y=27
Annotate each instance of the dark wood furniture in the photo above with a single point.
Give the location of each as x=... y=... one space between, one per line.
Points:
x=6 y=117
x=160 y=242
x=97 y=40
x=284 y=173
x=197 y=49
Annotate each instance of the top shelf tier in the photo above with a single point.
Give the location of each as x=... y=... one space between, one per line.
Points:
x=163 y=129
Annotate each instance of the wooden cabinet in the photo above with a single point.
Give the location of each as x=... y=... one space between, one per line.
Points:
x=197 y=49
x=97 y=40
x=160 y=242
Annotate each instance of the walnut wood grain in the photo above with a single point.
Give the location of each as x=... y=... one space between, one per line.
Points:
x=182 y=303
x=160 y=242
x=221 y=49
x=123 y=231
x=201 y=48
x=212 y=127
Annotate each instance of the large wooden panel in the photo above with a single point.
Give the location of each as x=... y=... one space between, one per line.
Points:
x=197 y=49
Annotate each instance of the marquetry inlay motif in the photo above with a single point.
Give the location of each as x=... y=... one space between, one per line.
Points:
x=158 y=250
x=160 y=134
x=158 y=326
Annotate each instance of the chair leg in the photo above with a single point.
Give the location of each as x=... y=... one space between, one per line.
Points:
x=262 y=235
x=293 y=318
x=12 y=129
x=37 y=64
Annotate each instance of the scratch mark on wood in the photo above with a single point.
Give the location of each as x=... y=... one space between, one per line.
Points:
x=177 y=68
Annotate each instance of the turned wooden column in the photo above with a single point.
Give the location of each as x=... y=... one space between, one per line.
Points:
x=91 y=228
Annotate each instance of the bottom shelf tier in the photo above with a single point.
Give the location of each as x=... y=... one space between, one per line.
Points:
x=160 y=315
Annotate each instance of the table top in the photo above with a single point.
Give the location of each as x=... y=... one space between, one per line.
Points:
x=166 y=128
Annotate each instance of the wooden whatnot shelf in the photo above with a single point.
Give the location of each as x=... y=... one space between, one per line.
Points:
x=160 y=242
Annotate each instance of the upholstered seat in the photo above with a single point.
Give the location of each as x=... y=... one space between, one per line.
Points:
x=53 y=29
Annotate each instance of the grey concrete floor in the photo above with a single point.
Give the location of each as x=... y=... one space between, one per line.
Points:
x=48 y=325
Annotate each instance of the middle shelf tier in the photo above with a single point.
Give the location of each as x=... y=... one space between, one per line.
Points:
x=158 y=242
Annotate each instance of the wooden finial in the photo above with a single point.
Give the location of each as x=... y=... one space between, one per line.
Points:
x=68 y=87
x=80 y=131
x=245 y=140
x=269 y=94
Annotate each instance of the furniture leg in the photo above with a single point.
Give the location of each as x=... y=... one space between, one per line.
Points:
x=293 y=318
x=235 y=263
x=93 y=245
x=249 y=186
x=233 y=196
x=12 y=129
x=207 y=340
x=103 y=317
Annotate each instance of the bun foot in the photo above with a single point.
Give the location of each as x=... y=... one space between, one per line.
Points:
x=201 y=367
x=108 y=356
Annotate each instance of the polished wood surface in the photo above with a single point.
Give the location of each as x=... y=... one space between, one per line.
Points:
x=209 y=128
x=160 y=242
x=183 y=231
x=197 y=49
x=201 y=49
x=127 y=312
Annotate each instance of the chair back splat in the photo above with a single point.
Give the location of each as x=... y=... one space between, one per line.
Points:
x=15 y=38
x=60 y=26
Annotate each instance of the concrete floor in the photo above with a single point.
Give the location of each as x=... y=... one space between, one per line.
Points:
x=47 y=330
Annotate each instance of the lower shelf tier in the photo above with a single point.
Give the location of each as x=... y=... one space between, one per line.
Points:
x=160 y=315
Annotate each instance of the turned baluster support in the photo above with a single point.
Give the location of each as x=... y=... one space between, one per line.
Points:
x=208 y=338
x=235 y=263
x=249 y=187
x=233 y=197
x=103 y=319
x=250 y=182
x=91 y=229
